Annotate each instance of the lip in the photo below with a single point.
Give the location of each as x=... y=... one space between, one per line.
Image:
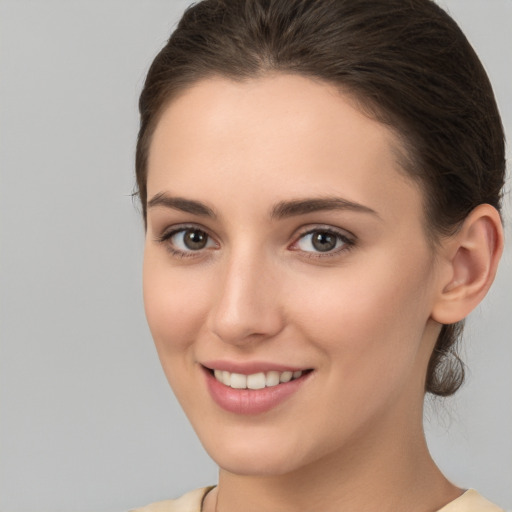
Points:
x=251 y=401
x=249 y=367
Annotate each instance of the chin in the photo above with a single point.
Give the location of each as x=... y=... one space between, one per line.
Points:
x=254 y=466
x=257 y=456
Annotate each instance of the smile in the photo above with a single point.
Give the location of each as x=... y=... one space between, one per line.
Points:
x=255 y=380
x=266 y=387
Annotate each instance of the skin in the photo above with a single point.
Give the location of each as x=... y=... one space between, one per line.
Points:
x=362 y=316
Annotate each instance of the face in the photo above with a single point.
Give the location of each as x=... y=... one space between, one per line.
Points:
x=288 y=282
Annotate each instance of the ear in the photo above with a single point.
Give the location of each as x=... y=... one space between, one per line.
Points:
x=469 y=261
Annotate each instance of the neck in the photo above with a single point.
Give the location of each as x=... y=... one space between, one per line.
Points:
x=389 y=472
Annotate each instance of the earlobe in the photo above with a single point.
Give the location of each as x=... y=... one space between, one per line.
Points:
x=470 y=264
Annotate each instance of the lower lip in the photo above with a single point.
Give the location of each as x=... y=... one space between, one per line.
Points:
x=251 y=401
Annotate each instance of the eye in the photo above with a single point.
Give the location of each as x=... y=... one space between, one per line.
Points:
x=323 y=241
x=186 y=240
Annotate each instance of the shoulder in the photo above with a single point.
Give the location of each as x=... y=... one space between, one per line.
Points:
x=190 y=502
x=471 y=501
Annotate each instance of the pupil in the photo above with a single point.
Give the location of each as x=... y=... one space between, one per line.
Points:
x=195 y=239
x=324 y=241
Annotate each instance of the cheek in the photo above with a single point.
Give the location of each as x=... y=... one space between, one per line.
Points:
x=370 y=324
x=175 y=305
x=175 y=301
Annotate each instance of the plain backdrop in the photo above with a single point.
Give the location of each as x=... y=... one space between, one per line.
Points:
x=88 y=422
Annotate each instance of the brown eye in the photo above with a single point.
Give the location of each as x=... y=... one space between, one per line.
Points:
x=190 y=239
x=323 y=241
x=195 y=239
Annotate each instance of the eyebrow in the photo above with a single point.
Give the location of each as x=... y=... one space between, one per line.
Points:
x=282 y=210
x=286 y=209
x=182 y=204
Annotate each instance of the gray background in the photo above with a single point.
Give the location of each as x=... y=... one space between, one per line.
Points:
x=87 y=420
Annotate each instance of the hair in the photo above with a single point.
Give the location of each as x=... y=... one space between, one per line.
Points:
x=408 y=65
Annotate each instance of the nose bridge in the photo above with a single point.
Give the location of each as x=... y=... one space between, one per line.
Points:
x=246 y=305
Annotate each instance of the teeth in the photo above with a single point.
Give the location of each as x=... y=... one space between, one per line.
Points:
x=255 y=380
x=226 y=378
x=238 y=381
x=285 y=377
x=272 y=379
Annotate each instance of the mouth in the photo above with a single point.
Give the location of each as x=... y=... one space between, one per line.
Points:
x=256 y=392
x=258 y=380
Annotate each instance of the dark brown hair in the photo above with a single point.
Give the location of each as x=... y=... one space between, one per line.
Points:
x=405 y=61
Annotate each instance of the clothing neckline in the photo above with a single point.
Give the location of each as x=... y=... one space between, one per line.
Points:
x=467 y=496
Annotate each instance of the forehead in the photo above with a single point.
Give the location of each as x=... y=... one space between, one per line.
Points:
x=280 y=135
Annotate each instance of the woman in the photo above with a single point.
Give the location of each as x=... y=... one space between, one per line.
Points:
x=321 y=184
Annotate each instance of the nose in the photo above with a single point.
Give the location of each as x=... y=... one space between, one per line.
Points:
x=246 y=307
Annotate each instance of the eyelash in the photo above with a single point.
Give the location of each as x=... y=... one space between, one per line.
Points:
x=177 y=253
x=348 y=241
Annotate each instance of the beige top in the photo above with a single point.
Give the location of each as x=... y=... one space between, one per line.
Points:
x=470 y=501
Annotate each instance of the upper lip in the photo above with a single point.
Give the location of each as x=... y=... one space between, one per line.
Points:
x=250 y=367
